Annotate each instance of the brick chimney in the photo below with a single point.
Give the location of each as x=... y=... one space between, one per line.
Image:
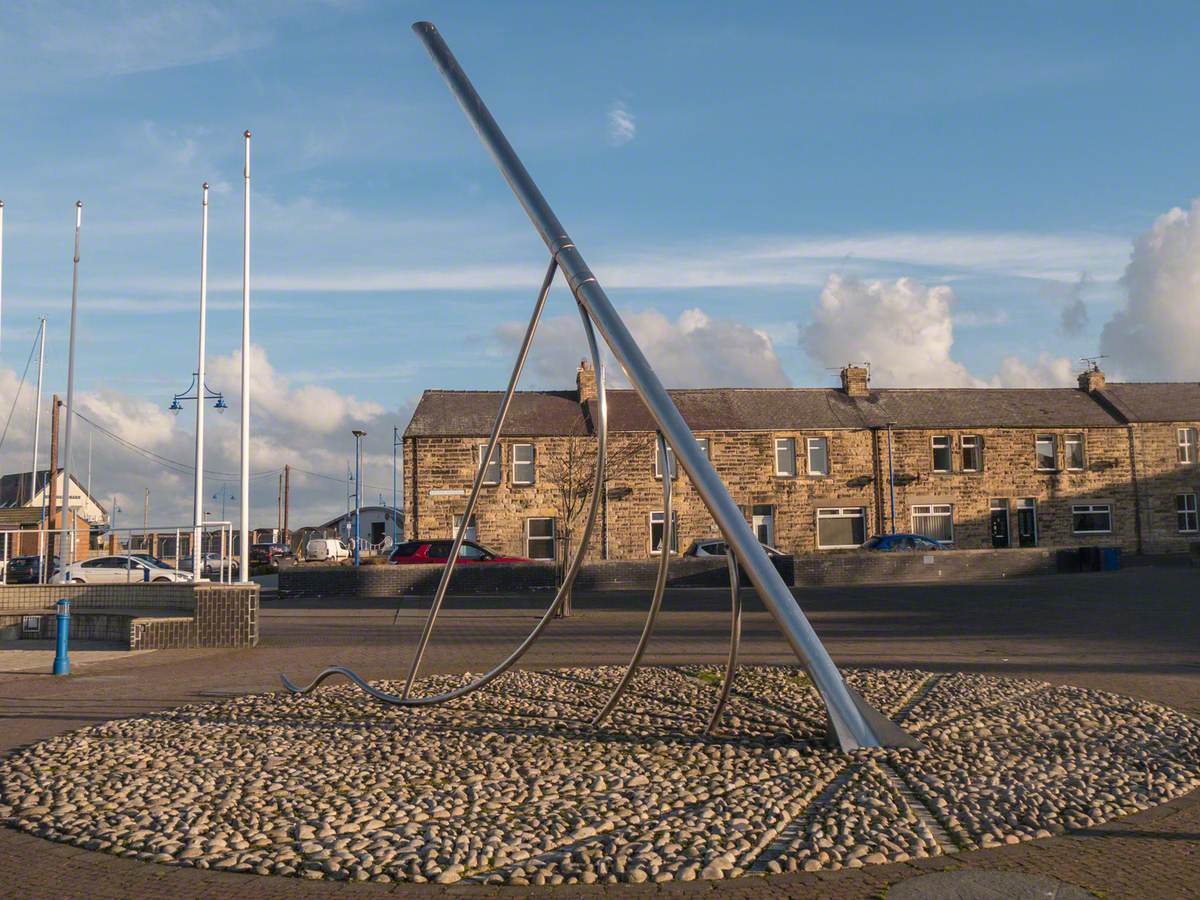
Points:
x=585 y=381
x=855 y=381
x=1091 y=379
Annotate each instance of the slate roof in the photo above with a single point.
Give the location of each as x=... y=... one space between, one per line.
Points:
x=470 y=413
x=1155 y=401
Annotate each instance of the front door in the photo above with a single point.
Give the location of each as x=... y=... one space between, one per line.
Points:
x=762 y=520
x=1000 y=524
x=1026 y=523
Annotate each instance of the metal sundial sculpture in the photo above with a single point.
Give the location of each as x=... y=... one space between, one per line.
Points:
x=853 y=723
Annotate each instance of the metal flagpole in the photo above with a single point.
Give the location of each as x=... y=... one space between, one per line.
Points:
x=244 y=530
x=2 y=272
x=359 y=434
x=853 y=722
x=69 y=549
x=37 y=409
x=395 y=514
x=198 y=500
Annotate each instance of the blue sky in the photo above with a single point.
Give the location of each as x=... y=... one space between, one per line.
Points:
x=725 y=158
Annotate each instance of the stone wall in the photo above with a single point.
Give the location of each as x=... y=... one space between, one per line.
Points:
x=844 y=567
x=1161 y=478
x=147 y=616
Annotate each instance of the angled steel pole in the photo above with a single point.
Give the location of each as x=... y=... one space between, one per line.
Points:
x=853 y=723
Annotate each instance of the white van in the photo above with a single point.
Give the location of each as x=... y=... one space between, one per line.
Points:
x=326 y=548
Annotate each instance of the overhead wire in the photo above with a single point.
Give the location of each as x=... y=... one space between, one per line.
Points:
x=17 y=395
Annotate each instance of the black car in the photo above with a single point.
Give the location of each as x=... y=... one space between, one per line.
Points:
x=27 y=569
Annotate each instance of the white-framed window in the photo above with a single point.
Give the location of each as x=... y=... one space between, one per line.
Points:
x=785 y=456
x=656 y=532
x=971 y=447
x=1075 y=451
x=472 y=528
x=1091 y=518
x=491 y=474
x=524 y=467
x=762 y=520
x=539 y=538
x=940 y=445
x=1185 y=511
x=702 y=443
x=935 y=520
x=818 y=455
x=839 y=527
x=1046 y=451
x=658 y=463
x=1186 y=438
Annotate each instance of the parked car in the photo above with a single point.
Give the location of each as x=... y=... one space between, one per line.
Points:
x=326 y=548
x=267 y=554
x=28 y=569
x=211 y=565
x=118 y=570
x=415 y=552
x=890 y=542
x=716 y=547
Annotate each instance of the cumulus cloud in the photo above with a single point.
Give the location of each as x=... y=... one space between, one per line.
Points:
x=1073 y=318
x=294 y=422
x=693 y=350
x=905 y=330
x=622 y=126
x=1156 y=331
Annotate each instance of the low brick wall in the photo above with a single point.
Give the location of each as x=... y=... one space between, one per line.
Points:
x=145 y=616
x=849 y=567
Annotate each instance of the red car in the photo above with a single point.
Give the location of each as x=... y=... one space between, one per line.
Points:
x=411 y=552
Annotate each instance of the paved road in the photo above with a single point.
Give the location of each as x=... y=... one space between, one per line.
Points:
x=1135 y=632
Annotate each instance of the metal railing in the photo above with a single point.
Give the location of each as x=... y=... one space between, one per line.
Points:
x=76 y=545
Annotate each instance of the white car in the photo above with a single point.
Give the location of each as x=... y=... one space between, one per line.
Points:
x=119 y=570
x=211 y=565
x=326 y=548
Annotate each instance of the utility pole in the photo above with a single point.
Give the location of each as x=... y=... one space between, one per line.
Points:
x=359 y=434
x=146 y=511
x=55 y=403
x=287 y=487
x=279 y=509
x=395 y=511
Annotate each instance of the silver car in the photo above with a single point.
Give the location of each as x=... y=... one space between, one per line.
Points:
x=123 y=569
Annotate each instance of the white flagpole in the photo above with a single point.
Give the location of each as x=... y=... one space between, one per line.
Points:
x=69 y=548
x=244 y=548
x=198 y=508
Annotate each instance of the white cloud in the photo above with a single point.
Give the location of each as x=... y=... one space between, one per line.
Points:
x=905 y=330
x=622 y=125
x=301 y=424
x=1073 y=318
x=1156 y=332
x=694 y=350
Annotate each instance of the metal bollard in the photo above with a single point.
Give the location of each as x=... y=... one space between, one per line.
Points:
x=62 y=662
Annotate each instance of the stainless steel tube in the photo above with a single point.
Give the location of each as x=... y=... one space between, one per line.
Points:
x=735 y=639
x=601 y=426
x=493 y=439
x=852 y=726
x=660 y=586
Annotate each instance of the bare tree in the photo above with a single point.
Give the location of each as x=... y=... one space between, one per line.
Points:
x=571 y=473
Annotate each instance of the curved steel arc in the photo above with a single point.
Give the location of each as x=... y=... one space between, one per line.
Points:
x=660 y=586
x=559 y=597
x=493 y=439
x=735 y=639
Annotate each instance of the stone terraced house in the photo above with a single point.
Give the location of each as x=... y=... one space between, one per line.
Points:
x=821 y=469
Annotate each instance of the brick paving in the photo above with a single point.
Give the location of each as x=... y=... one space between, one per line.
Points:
x=1134 y=632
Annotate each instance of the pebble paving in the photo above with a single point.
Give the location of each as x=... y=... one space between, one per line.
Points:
x=510 y=785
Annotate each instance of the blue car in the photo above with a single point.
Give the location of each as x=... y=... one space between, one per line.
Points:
x=889 y=542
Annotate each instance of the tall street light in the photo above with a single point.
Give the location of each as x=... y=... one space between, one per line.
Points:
x=358 y=436
x=244 y=529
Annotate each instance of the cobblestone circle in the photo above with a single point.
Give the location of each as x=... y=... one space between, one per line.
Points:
x=510 y=786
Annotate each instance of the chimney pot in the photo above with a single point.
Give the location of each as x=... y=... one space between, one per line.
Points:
x=1091 y=380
